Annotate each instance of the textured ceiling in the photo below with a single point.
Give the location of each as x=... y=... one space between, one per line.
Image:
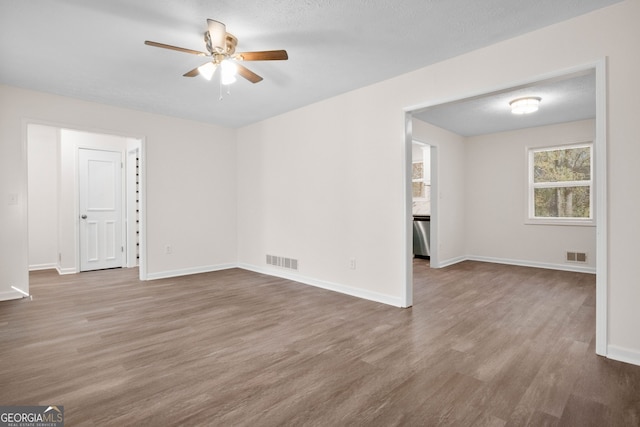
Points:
x=93 y=49
x=564 y=99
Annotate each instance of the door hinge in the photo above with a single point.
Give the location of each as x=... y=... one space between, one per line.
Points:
x=121 y=165
x=121 y=248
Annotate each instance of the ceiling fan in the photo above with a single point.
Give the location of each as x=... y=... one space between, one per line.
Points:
x=221 y=48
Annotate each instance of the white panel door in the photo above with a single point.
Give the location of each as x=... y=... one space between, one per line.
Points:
x=100 y=185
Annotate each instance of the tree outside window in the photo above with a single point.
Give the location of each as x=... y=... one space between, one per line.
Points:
x=560 y=183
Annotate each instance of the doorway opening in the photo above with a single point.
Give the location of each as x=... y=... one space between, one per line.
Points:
x=58 y=219
x=452 y=242
x=421 y=199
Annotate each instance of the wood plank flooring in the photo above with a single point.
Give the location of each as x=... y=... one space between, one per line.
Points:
x=484 y=345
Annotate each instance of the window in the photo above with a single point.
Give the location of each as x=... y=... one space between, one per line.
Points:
x=418 y=184
x=561 y=184
x=421 y=171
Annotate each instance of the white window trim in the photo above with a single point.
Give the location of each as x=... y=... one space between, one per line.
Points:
x=530 y=209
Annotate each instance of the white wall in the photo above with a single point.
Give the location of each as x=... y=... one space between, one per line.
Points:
x=14 y=239
x=496 y=195
x=43 y=197
x=349 y=151
x=190 y=188
x=315 y=189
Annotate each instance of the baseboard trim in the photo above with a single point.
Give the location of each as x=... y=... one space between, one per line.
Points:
x=522 y=263
x=63 y=271
x=330 y=286
x=622 y=354
x=355 y=292
x=450 y=261
x=189 y=271
x=38 y=267
x=10 y=295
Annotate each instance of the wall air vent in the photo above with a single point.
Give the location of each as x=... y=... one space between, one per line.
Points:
x=279 y=261
x=576 y=257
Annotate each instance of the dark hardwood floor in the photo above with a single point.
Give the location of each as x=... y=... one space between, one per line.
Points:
x=484 y=345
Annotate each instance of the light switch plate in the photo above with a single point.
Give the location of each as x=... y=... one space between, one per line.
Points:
x=13 y=199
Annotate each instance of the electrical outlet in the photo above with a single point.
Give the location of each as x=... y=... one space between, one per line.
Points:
x=168 y=249
x=352 y=263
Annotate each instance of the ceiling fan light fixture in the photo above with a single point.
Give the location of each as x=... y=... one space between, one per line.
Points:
x=229 y=71
x=525 y=105
x=221 y=49
x=207 y=70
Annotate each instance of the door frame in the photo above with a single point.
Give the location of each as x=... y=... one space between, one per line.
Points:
x=600 y=176
x=132 y=202
x=142 y=267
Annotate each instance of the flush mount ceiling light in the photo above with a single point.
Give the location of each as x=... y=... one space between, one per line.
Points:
x=525 y=105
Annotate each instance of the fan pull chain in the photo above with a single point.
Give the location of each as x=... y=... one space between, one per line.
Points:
x=220 y=85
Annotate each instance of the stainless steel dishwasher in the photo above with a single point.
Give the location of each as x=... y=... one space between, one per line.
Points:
x=421 y=236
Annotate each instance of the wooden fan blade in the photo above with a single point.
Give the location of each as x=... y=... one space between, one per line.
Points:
x=248 y=74
x=179 y=49
x=192 y=73
x=265 y=55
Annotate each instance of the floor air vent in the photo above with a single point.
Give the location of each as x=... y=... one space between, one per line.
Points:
x=279 y=261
